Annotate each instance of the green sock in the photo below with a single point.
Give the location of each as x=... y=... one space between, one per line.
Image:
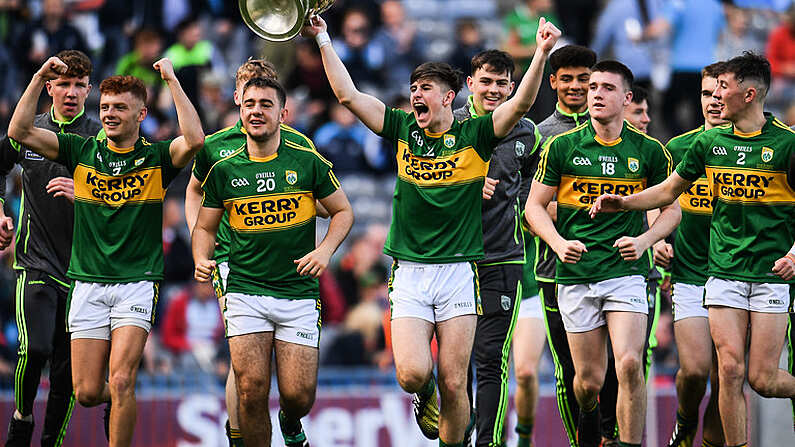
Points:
x=428 y=389
x=705 y=443
x=684 y=423
x=525 y=431
x=627 y=444
x=744 y=444
x=444 y=444
x=234 y=436
x=292 y=431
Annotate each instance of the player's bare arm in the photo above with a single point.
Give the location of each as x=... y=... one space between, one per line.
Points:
x=183 y=148
x=511 y=111
x=541 y=224
x=193 y=202
x=6 y=229
x=657 y=196
x=21 y=128
x=203 y=242
x=632 y=248
x=369 y=109
x=316 y=261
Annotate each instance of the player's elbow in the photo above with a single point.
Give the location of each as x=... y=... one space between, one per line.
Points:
x=195 y=140
x=18 y=132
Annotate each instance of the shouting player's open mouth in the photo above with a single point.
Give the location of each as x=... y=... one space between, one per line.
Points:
x=421 y=111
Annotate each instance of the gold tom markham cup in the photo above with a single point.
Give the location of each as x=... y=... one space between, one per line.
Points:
x=279 y=20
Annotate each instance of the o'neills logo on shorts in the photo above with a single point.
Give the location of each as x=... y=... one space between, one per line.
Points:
x=581 y=192
x=750 y=185
x=270 y=212
x=697 y=198
x=145 y=185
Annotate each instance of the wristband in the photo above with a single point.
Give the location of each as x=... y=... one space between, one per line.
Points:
x=323 y=39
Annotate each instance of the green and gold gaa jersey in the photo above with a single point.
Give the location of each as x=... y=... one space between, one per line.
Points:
x=583 y=167
x=222 y=144
x=691 y=244
x=118 y=208
x=271 y=207
x=436 y=210
x=753 y=206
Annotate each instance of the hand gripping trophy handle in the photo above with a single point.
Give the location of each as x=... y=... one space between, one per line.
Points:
x=279 y=20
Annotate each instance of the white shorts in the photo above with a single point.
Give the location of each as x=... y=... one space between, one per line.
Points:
x=96 y=309
x=433 y=292
x=531 y=308
x=582 y=306
x=750 y=296
x=293 y=321
x=688 y=301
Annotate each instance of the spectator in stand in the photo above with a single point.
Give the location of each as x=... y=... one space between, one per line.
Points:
x=522 y=25
x=576 y=17
x=400 y=44
x=178 y=258
x=363 y=60
x=619 y=31
x=343 y=141
x=361 y=263
x=781 y=54
x=8 y=86
x=214 y=101
x=693 y=28
x=745 y=31
x=193 y=327
x=308 y=81
x=46 y=36
x=469 y=42
x=147 y=49
x=13 y=17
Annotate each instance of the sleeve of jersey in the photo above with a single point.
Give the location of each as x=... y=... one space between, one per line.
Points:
x=663 y=165
x=69 y=149
x=548 y=171
x=325 y=180
x=200 y=165
x=211 y=191
x=170 y=171
x=486 y=141
x=693 y=164
x=393 y=118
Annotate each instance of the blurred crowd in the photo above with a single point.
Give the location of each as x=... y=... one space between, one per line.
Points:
x=664 y=42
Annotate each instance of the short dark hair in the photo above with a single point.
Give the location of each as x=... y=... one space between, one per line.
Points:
x=571 y=56
x=749 y=66
x=713 y=70
x=115 y=85
x=441 y=72
x=615 y=67
x=497 y=60
x=78 y=63
x=260 y=82
x=639 y=94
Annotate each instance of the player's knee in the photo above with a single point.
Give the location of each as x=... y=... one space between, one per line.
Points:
x=121 y=383
x=451 y=385
x=587 y=384
x=762 y=381
x=731 y=370
x=628 y=367
x=88 y=396
x=696 y=376
x=526 y=375
x=412 y=380
x=252 y=388
x=298 y=404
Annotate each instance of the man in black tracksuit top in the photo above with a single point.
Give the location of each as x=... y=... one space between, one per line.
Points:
x=500 y=271
x=41 y=257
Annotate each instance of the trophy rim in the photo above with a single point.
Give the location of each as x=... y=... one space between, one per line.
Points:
x=281 y=37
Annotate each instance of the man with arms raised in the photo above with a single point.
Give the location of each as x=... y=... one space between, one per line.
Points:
x=217 y=146
x=269 y=188
x=687 y=259
x=749 y=274
x=117 y=255
x=436 y=232
x=500 y=270
x=602 y=263
x=41 y=257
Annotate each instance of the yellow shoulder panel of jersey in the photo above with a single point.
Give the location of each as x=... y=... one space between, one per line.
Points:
x=662 y=146
x=697 y=129
x=292 y=145
x=295 y=131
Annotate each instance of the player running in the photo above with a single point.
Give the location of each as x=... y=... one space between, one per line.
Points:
x=41 y=261
x=512 y=165
x=746 y=165
x=436 y=232
x=602 y=263
x=117 y=254
x=687 y=259
x=217 y=146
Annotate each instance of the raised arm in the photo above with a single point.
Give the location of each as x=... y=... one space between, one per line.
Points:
x=182 y=148
x=369 y=109
x=511 y=111
x=657 y=196
x=540 y=222
x=316 y=261
x=203 y=241
x=21 y=127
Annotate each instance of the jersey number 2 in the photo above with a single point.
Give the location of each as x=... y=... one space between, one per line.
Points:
x=265 y=185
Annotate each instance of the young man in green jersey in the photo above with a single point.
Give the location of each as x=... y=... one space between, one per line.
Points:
x=687 y=259
x=217 y=146
x=41 y=257
x=117 y=254
x=746 y=165
x=509 y=298
x=602 y=263
x=436 y=232
x=268 y=188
